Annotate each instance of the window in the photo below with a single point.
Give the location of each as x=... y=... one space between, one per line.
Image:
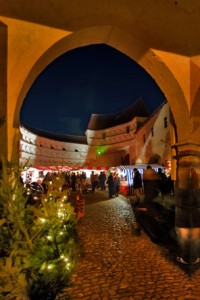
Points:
x=104 y=135
x=165 y=122
x=144 y=138
x=127 y=129
x=152 y=132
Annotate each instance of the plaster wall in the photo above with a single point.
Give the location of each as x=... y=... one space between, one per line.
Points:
x=153 y=139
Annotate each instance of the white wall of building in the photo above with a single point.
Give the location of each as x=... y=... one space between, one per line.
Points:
x=146 y=143
x=152 y=143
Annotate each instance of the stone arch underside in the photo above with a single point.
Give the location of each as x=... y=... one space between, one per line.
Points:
x=195 y=110
x=123 y=42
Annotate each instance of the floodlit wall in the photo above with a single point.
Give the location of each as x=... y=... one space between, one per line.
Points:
x=109 y=150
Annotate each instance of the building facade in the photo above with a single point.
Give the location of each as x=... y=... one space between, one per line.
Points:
x=152 y=142
x=138 y=140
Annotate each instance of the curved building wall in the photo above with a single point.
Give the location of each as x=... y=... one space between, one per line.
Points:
x=36 y=150
x=139 y=141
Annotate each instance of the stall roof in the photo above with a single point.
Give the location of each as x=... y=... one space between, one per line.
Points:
x=97 y=168
x=71 y=168
x=138 y=166
x=54 y=168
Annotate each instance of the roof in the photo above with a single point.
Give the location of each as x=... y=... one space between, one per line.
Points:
x=140 y=125
x=103 y=121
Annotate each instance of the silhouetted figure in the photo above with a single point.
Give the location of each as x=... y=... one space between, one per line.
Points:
x=137 y=184
x=94 y=181
x=162 y=182
x=116 y=184
x=73 y=181
x=110 y=182
x=151 y=183
x=144 y=211
x=187 y=220
x=102 y=180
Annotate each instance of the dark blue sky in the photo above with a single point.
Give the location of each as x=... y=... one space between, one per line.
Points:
x=93 y=79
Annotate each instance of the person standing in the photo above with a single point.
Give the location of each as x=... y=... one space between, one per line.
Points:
x=143 y=212
x=116 y=184
x=110 y=182
x=94 y=181
x=151 y=181
x=137 y=185
x=163 y=182
x=102 y=180
x=73 y=181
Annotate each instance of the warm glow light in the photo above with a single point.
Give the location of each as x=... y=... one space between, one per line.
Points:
x=60 y=214
x=66 y=259
x=50 y=267
x=138 y=161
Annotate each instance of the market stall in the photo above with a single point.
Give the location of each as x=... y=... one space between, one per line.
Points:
x=126 y=175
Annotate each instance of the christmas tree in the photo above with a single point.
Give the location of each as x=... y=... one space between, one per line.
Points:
x=38 y=247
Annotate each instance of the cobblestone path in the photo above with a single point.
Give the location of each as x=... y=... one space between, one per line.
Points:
x=115 y=264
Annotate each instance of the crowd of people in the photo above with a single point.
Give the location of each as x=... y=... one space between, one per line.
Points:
x=81 y=182
x=150 y=183
x=147 y=186
x=154 y=184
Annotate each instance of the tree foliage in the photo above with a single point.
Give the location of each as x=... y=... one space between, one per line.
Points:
x=38 y=246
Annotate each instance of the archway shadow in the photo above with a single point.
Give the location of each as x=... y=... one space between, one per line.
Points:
x=159 y=226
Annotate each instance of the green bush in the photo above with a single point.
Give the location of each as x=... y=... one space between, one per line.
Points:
x=38 y=246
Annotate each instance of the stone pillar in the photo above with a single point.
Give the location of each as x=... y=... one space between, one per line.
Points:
x=187 y=202
x=3 y=91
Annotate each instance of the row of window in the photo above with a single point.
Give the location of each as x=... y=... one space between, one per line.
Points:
x=152 y=129
x=127 y=131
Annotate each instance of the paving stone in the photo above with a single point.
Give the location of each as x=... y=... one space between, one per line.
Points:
x=115 y=265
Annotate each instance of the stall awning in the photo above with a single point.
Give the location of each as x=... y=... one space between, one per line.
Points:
x=54 y=168
x=71 y=168
x=138 y=166
x=128 y=170
x=97 y=168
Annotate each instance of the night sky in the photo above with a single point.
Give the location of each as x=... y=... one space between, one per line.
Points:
x=92 y=79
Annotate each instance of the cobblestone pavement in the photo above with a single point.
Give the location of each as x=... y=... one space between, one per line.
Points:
x=115 y=264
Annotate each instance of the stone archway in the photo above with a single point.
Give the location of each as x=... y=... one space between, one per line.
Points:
x=33 y=35
x=147 y=58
